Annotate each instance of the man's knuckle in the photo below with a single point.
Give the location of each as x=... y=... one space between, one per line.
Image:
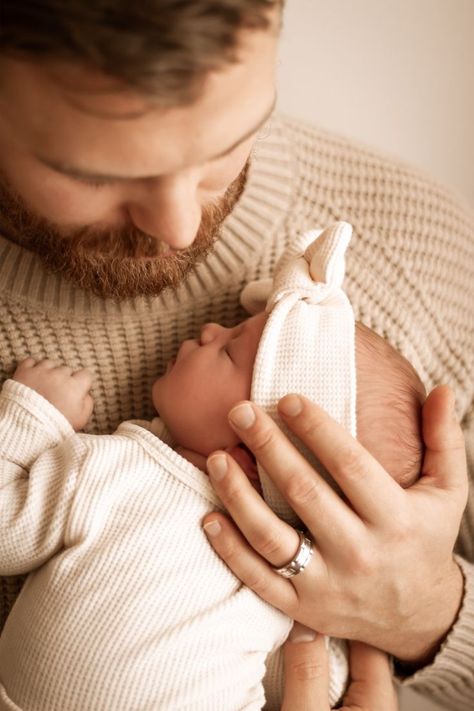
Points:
x=403 y=527
x=309 y=670
x=228 y=550
x=311 y=423
x=302 y=491
x=257 y=582
x=351 y=463
x=263 y=439
x=362 y=562
x=233 y=493
x=267 y=543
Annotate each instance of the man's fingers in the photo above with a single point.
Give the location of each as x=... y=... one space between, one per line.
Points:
x=445 y=456
x=306 y=671
x=324 y=513
x=247 y=565
x=369 y=488
x=371 y=684
x=271 y=537
x=369 y=664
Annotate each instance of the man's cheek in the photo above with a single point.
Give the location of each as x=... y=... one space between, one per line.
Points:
x=70 y=206
x=57 y=199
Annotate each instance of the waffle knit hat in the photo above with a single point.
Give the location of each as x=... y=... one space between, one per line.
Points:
x=308 y=342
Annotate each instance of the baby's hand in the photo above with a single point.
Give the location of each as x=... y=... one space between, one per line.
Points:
x=67 y=391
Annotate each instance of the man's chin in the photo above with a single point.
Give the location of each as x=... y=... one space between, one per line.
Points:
x=114 y=264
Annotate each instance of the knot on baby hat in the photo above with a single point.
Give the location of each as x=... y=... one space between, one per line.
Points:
x=308 y=342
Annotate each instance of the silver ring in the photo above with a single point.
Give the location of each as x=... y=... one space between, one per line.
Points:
x=301 y=558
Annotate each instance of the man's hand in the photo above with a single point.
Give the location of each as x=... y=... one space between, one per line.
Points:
x=382 y=569
x=67 y=391
x=307 y=676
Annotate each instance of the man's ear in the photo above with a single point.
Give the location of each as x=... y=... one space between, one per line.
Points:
x=247 y=463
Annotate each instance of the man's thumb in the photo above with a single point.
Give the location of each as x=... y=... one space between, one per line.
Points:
x=306 y=671
x=445 y=456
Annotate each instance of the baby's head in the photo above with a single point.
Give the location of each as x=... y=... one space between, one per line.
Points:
x=214 y=372
x=390 y=396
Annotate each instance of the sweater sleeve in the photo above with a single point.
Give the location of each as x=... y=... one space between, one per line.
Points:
x=449 y=679
x=36 y=480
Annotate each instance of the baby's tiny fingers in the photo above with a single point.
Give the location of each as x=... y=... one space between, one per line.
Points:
x=47 y=364
x=64 y=369
x=88 y=406
x=84 y=377
x=27 y=363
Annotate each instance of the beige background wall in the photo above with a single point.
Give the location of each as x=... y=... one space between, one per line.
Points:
x=397 y=74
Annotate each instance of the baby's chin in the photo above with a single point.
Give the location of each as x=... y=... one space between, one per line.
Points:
x=197 y=438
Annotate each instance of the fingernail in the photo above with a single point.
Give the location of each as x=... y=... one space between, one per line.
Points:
x=217 y=466
x=213 y=528
x=291 y=405
x=300 y=633
x=242 y=416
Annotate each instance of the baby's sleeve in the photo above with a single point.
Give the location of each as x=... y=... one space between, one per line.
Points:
x=38 y=459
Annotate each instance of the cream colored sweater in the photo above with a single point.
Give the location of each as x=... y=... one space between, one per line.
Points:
x=410 y=278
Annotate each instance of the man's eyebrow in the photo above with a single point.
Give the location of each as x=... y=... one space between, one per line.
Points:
x=75 y=172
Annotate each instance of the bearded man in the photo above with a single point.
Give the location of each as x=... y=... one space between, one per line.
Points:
x=144 y=180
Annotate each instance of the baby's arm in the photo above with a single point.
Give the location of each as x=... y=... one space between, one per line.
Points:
x=39 y=458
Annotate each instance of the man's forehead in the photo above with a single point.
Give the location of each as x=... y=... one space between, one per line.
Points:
x=81 y=171
x=73 y=114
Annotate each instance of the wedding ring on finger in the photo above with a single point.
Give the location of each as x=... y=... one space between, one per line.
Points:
x=301 y=558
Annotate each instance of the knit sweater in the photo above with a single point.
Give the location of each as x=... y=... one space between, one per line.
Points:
x=410 y=277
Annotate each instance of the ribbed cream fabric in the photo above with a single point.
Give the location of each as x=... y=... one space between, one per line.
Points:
x=124 y=608
x=410 y=277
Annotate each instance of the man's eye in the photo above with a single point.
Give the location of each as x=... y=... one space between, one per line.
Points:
x=90 y=182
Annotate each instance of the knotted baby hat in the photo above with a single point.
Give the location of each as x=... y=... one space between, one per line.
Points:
x=308 y=342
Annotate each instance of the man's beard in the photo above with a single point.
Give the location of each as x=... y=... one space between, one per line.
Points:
x=111 y=262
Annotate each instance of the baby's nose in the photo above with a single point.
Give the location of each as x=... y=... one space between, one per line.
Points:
x=209 y=332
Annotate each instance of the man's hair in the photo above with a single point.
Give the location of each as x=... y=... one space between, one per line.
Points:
x=159 y=47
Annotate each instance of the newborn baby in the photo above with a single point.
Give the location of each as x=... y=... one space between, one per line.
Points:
x=126 y=605
x=213 y=372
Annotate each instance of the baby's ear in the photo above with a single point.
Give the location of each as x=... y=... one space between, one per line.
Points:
x=247 y=463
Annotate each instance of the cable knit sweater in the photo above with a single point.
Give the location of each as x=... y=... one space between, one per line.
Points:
x=410 y=277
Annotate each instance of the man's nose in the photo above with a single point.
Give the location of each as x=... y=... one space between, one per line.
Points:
x=168 y=209
x=211 y=331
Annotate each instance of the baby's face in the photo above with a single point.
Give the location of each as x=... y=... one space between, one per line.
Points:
x=208 y=377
